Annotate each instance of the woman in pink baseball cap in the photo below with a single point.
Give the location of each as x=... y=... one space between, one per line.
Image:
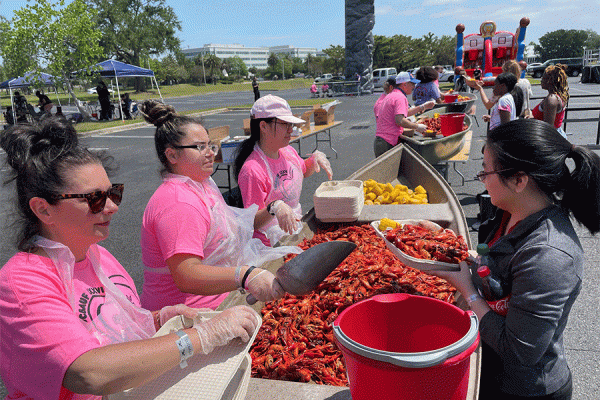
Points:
x=270 y=172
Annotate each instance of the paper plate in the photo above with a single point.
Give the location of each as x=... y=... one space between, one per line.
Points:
x=417 y=263
x=223 y=374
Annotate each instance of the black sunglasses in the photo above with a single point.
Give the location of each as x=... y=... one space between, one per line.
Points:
x=97 y=200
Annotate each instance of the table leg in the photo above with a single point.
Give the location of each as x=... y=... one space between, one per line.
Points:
x=328 y=140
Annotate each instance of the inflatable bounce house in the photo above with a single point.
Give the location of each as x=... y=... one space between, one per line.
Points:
x=489 y=49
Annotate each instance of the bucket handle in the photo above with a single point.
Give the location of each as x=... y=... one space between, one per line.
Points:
x=412 y=360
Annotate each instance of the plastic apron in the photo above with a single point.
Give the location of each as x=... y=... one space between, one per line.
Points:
x=231 y=230
x=287 y=189
x=127 y=321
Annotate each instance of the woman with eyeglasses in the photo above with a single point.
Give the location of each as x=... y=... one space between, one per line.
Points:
x=538 y=181
x=270 y=172
x=70 y=317
x=195 y=248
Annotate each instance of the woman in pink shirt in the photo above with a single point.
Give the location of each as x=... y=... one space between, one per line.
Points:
x=270 y=172
x=387 y=88
x=70 y=318
x=195 y=248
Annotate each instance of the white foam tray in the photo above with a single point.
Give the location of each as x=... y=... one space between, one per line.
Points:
x=417 y=263
x=223 y=374
x=333 y=203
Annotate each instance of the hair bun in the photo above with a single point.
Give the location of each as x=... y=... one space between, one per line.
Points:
x=157 y=113
x=50 y=137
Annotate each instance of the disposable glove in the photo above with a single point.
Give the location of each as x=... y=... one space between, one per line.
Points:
x=286 y=217
x=429 y=105
x=320 y=161
x=238 y=321
x=264 y=286
x=421 y=128
x=168 y=312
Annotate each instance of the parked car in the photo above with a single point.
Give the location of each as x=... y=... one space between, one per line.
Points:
x=381 y=75
x=574 y=66
x=323 y=78
x=530 y=66
x=446 y=76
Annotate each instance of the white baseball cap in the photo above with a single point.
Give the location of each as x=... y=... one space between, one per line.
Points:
x=270 y=106
x=406 y=77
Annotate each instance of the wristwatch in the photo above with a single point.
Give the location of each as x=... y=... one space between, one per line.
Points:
x=270 y=207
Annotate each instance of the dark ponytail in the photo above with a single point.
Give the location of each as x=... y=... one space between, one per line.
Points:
x=247 y=146
x=40 y=157
x=536 y=148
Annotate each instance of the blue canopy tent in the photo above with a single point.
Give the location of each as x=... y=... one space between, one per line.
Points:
x=29 y=79
x=118 y=69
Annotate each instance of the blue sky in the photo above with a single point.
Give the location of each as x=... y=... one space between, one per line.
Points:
x=320 y=23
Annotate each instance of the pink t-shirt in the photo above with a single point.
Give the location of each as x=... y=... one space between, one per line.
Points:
x=176 y=221
x=377 y=106
x=40 y=335
x=255 y=182
x=393 y=104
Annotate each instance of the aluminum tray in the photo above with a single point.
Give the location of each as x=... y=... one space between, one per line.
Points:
x=435 y=150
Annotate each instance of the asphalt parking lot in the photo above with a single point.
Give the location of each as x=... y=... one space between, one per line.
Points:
x=133 y=150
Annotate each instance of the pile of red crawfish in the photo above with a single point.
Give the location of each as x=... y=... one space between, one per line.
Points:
x=295 y=341
x=419 y=242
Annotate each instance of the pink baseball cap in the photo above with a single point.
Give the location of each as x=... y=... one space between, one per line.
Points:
x=270 y=106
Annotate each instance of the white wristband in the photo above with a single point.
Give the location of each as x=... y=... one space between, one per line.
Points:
x=238 y=279
x=186 y=349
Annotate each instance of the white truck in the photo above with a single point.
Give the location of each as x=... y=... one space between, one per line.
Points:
x=323 y=78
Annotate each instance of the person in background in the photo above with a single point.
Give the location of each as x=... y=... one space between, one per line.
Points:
x=522 y=84
x=477 y=73
x=535 y=252
x=195 y=248
x=126 y=105
x=255 y=88
x=270 y=172
x=552 y=108
x=313 y=90
x=104 y=100
x=45 y=104
x=394 y=113
x=502 y=105
x=387 y=88
x=426 y=89
x=8 y=116
x=21 y=107
x=440 y=70
x=460 y=80
x=70 y=317
x=325 y=90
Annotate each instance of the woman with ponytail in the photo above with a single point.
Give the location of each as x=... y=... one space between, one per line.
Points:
x=71 y=325
x=270 y=172
x=195 y=248
x=539 y=182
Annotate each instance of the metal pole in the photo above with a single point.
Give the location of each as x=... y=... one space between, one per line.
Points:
x=283 y=67
x=203 y=70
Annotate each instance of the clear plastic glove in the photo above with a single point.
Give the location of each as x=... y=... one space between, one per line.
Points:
x=168 y=312
x=238 y=321
x=421 y=128
x=264 y=286
x=429 y=105
x=320 y=161
x=286 y=217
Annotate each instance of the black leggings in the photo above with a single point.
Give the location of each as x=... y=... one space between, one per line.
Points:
x=564 y=393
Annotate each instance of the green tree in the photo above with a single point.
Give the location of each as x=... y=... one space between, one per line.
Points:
x=236 y=66
x=273 y=60
x=51 y=37
x=133 y=29
x=336 y=58
x=593 y=40
x=212 y=63
x=562 y=43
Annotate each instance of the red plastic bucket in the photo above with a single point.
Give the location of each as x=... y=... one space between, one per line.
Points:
x=450 y=98
x=451 y=123
x=400 y=346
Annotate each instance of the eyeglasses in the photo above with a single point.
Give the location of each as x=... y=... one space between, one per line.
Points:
x=286 y=125
x=201 y=147
x=482 y=174
x=97 y=200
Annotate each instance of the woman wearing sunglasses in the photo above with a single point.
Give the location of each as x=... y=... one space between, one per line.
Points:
x=270 y=172
x=70 y=317
x=195 y=248
x=538 y=181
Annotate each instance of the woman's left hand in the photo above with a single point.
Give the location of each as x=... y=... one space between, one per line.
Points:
x=168 y=312
x=320 y=161
x=429 y=105
x=461 y=279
